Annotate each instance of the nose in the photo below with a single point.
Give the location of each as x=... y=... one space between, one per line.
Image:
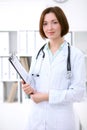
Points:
x=49 y=26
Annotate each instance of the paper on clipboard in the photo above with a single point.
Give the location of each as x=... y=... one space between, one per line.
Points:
x=19 y=68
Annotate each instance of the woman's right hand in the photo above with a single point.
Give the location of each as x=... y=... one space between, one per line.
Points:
x=27 y=88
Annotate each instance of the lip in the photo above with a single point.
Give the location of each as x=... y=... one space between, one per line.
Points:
x=50 y=33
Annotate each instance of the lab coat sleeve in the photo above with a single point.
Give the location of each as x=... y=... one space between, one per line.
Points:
x=31 y=81
x=77 y=88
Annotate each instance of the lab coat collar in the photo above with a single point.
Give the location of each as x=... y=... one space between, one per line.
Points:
x=60 y=57
x=47 y=45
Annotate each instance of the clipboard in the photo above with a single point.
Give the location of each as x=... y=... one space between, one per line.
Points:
x=24 y=75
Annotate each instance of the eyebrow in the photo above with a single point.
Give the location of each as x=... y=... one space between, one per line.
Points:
x=51 y=20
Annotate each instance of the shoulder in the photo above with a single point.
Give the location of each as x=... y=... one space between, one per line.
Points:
x=76 y=51
x=76 y=54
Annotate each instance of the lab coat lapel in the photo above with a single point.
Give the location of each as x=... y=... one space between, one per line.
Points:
x=57 y=61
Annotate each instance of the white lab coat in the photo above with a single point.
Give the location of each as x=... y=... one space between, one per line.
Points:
x=57 y=113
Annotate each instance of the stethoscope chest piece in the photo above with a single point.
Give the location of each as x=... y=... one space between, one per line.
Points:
x=68 y=74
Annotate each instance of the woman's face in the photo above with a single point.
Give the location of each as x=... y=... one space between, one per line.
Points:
x=51 y=26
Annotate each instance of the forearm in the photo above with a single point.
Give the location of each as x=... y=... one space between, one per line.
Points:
x=66 y=96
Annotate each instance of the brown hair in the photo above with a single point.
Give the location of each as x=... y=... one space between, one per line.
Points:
x=60 y=17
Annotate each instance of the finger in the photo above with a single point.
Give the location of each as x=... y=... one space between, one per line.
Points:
x=27 y=89
x=22 y=81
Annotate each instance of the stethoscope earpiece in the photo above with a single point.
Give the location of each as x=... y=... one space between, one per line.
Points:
x=35 y=75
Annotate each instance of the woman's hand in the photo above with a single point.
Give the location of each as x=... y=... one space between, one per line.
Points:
x=38 y=97
x=27 y=88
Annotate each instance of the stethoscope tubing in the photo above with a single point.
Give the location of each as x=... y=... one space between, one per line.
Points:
x=43 y=56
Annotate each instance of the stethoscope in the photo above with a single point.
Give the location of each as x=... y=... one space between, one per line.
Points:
x=68 y=74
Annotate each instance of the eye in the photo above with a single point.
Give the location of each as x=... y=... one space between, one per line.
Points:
x=45 y=23
x=55 y=22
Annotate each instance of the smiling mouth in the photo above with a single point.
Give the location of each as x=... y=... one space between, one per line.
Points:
x=50 y=33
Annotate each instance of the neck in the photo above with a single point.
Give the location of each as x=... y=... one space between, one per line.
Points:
x=55 y=44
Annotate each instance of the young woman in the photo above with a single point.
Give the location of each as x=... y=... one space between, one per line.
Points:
x=53 y=91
